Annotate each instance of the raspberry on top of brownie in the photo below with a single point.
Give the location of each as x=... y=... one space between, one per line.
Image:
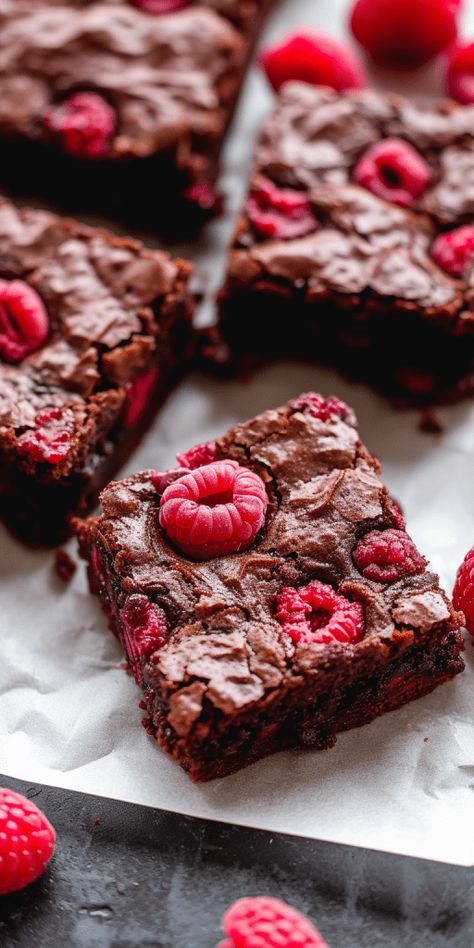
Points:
x=266 y=591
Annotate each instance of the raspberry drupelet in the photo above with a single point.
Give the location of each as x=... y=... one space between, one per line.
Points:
x=460 y=73
x=26 y=841
x=314 y=58
x=463 y=593
x=279 y=213
x=394 y=171
x=265 y=922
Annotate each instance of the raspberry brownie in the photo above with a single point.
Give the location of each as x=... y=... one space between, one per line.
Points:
x=94 y=329
x=121 y=106
x=356 y=244
x=266 y=592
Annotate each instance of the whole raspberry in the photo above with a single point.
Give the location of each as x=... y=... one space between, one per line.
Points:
x=454 y=250
x=214 y=510
x=460 y=73
x=138 y=396
x=279 y=213
x=402 y=34
x=26 y=841
x=313 y=58
x=200 y=454
x=85 y=123
x=387 y=555
x=394 y=171
x=23 y=320
x=316 y=613
x=144 y=630
x=263 y=922
x=160 y=6
x=320 y=407
x=50 y=441
x=463 y=593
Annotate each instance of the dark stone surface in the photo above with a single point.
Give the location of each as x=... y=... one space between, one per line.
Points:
x=126 y=876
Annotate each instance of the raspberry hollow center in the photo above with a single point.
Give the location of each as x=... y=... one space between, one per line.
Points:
x=317 y=613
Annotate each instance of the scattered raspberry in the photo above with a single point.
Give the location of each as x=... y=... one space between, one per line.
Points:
x=263 y=922
x=463 y=593
x=316 y=59
x=387 y=555
x=23 y=320
x=402 y=34
x=200 y=454
x=144 y=630
x=460 y=73
x=26 y=841
x=214 y=510
x=280 y=213
x=64 y=565
x=138 y=395
x=85 y=123
x=49 y=441
x=320 y=407
x=394 y=171
x=203 y=194
x=316 y=613
x=160 y=6
x=454 y=250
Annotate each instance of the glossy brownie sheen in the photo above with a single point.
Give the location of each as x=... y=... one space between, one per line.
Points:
x=116 y=310
x=172 y=81
x=362 y=290
x=229 y=686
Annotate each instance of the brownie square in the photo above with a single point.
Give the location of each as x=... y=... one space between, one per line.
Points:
x=94 y=330
x=325 y=620
x=112 y=108
x=321 y=267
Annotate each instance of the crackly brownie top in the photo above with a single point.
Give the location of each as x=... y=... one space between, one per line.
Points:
x=338 y=234
x=105 y=301
x=328 y=513
x=167 y=78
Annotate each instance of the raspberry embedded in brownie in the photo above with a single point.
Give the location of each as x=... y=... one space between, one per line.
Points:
x=321 y=618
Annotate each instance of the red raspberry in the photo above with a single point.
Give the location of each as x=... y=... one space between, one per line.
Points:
x=387 y=555
x=160 y=6
x=320 y=407
x=454 y=250
x=460 y=73
x=264 y=922
x=200 y=454
x=280 y=213
x=26 y=841
x=402 y=34
x=463 y=593
x=394 y=171
x=203 y=194
x=49 y=441
x=138 y=396
x=316 y=613
x=214 y=510
x=85 y=123
x=316 y=59
x=144 y=630
x=23 y=320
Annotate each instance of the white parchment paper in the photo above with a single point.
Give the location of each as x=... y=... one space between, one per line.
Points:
x=68 y=712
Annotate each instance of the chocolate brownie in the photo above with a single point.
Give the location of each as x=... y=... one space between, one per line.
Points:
x=266 y=592
x=94 y=330
x=356 y=245
x=121 y=106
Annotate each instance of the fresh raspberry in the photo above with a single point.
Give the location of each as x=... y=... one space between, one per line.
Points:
x=460 y=73
x=313 y=58
x=160 y=6
x=49 y=441
x=394 y=171
x=203 y=195
x=144 y=630
x=280 y=213
x=454 y=250
x=214 y=510
x=200 y=454
x=263 y=922
x=23 y=320
x=323 y=408
x=138 y=395
x=316 y=613
x=463 y=593
x=26 y=841
x=387 y=555
x=402 y=34
x=85 y=123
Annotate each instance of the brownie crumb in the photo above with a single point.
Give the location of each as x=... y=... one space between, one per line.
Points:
x=430 y=423
x=64 y=566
